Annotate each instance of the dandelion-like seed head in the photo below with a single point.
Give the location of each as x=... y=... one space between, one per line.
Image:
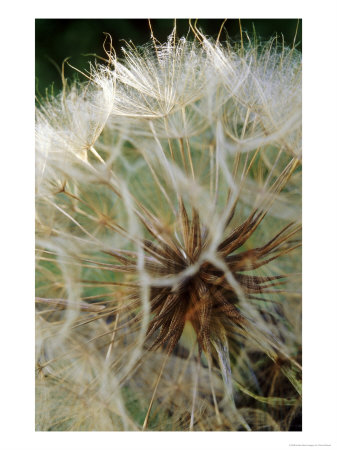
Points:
x=168 y=229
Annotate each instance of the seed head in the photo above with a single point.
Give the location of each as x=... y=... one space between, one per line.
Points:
x=168 y=228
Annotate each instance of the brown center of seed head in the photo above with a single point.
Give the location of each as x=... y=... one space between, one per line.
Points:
x=206 y=299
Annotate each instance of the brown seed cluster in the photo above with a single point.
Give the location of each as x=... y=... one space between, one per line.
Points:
x=206 y=299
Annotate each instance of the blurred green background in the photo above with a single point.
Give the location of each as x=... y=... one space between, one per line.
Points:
x=57 y=39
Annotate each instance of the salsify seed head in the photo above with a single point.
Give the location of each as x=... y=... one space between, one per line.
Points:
x=168 y=234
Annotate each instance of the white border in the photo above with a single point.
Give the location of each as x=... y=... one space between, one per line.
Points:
x=17 y=216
